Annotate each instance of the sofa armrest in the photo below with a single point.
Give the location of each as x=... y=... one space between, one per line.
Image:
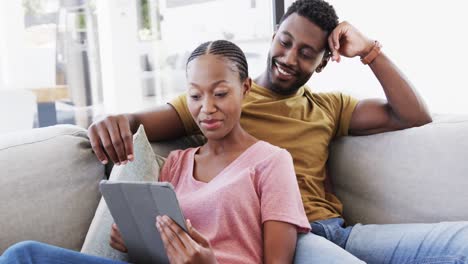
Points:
x=414 y=175
x=48 y=186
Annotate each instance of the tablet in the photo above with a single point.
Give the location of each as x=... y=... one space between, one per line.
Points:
x=134 y=207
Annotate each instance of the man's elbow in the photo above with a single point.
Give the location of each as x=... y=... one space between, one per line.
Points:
x=422 y=120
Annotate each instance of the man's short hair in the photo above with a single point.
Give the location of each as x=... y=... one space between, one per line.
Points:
x=318 y=12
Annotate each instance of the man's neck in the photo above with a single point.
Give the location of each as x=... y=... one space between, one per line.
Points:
x=262 y=80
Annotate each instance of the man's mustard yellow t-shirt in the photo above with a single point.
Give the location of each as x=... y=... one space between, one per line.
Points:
x=304 y=124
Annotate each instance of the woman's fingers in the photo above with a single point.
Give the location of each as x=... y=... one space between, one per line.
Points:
x=116 y=240
x=197 y=236
x=172 y=242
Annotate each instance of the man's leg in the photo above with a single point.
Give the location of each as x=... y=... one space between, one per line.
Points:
x=445 y=242
x=312 y=248
x=29 y=252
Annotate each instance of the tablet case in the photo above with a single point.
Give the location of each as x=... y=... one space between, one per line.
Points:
x=134 y=207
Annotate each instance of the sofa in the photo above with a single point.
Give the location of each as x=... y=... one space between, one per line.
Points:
x=49 y=179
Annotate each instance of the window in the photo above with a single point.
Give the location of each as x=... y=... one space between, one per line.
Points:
x=183 y=25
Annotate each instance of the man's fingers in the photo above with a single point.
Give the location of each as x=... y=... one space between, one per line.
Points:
x=107 y=144
x=116 y=140
x=335 y=55
x=96 y=145
x=334 y=43
x=331 y=47
x=127 y=138
x=111 y=138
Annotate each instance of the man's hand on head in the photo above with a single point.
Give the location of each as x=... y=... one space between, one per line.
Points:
x=346 y=40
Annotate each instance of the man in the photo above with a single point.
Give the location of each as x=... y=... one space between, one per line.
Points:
x=280 y=110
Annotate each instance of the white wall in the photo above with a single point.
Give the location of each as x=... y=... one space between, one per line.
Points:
x=23 y=64
x=426 y=39
x=117 y=27
x=11 y=45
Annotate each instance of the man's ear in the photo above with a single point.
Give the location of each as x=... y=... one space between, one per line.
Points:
x=323 y=63
x=275 y=31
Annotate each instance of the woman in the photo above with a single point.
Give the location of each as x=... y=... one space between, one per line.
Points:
x=240 y=193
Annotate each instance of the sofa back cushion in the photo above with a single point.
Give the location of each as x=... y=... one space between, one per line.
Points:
x=414 y=175
x=48 y=186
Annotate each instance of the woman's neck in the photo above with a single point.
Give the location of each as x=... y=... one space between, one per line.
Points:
x=237 y=140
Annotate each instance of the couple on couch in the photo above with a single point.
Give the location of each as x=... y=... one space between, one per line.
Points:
x=262 y=216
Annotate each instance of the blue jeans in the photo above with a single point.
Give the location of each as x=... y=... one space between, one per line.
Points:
x=29 y=252
x=332 y=242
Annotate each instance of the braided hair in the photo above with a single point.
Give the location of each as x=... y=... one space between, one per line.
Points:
x=318 y=12
x=227 y=50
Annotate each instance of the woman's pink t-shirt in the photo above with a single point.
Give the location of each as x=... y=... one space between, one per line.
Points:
x=260 y=185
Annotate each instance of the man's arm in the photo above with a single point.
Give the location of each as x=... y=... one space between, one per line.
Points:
x=111 y=137
x=403 y=108
x=161 y=123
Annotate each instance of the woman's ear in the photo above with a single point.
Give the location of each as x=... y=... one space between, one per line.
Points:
x=246 y=86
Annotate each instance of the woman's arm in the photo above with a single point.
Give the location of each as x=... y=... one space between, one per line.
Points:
x=279 y=242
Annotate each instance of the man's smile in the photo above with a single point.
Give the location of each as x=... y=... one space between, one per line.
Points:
x=284 y=72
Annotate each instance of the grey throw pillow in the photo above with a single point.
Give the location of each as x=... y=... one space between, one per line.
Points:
x=145 y=167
